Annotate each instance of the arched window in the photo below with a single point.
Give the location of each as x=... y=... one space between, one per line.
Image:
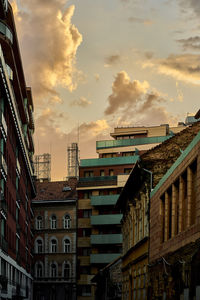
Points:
x=39 y=222
x=39 y=270
x=66 y=245
x=39 y=245
x=66 y=271
x=67 y=222
x=53 y=246
x=53 y=222
x=53 y=270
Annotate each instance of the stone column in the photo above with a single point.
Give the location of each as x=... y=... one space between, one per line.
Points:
x=189 y=196
x=166 y=217
x=181 y=199
x=174 y=210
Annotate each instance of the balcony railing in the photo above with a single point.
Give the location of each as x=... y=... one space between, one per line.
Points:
x=100 y=239
x=111 y=161
x=106 y=219
x=103 y=258
x=6 y=32
x=18 y=167
x=3 y=204
x=131 y=142
x=3 y=164
x=3 y=125
x=104 y=200
x=97 y=181
x=4 y=244
x=4 y=284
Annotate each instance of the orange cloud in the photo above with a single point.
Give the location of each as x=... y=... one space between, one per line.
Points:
x=49 y=45
x=81 y=102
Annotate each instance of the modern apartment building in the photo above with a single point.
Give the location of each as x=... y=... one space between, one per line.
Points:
x=55 y=226
x=100 y=183
x=16 y=173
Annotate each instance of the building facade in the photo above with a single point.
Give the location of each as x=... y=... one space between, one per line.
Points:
x=100 y=183
x=55 y=242
x=175 y=229
x=134 y=203
x=16 y=170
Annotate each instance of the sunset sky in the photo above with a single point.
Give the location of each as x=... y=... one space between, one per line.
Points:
x=97 y=64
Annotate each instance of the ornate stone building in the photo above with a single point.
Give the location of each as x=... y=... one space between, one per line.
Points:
x=175 y=229
x=134 y=203
x=55 y=240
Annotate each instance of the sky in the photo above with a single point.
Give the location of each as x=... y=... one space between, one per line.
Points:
x=97 y=64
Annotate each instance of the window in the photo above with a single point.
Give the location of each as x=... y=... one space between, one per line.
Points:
x=102 y=173
x=87 y=213
x=66 y=245
x=127 y=170
x=39 y=246
x=111 y=172
x=86 y=251
x=53 y=222
x=39 y=270
x=39 y=222
x=53 y=246
x=88 y=174
x=66 y=271
x=86 y=290
x=67 y=221
x=53 y=270
x=86 y=231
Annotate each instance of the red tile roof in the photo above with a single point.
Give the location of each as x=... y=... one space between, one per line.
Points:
x=56 y=190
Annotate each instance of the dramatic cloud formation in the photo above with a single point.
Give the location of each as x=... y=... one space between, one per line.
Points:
x=185 y=67
x=81 y=102
x=140 y=20
x=49 y=45
x=135 y=101
x=192 y=43
x=125 y=93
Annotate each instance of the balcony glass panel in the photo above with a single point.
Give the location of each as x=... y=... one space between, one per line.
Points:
x=131 y=142
x=103 y=258
x=104 y=200
x=3 y=125
x=106 y=239
x=6 y=31
x=122 y=160
x=106 y=219
x=3 y=164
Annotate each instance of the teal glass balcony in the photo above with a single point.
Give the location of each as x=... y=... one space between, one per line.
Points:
x=103 y=258
x=104 y=200
x=106 y=239
x=3 y=125
x=111 y=161
x=106 y=219
x=6 y=32
x=131 y=142
x=3 y=164
x=97 y=181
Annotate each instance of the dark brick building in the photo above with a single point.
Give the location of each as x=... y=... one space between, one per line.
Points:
x=16 y=172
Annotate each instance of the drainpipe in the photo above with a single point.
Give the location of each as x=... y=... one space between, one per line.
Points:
x=151 y=178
